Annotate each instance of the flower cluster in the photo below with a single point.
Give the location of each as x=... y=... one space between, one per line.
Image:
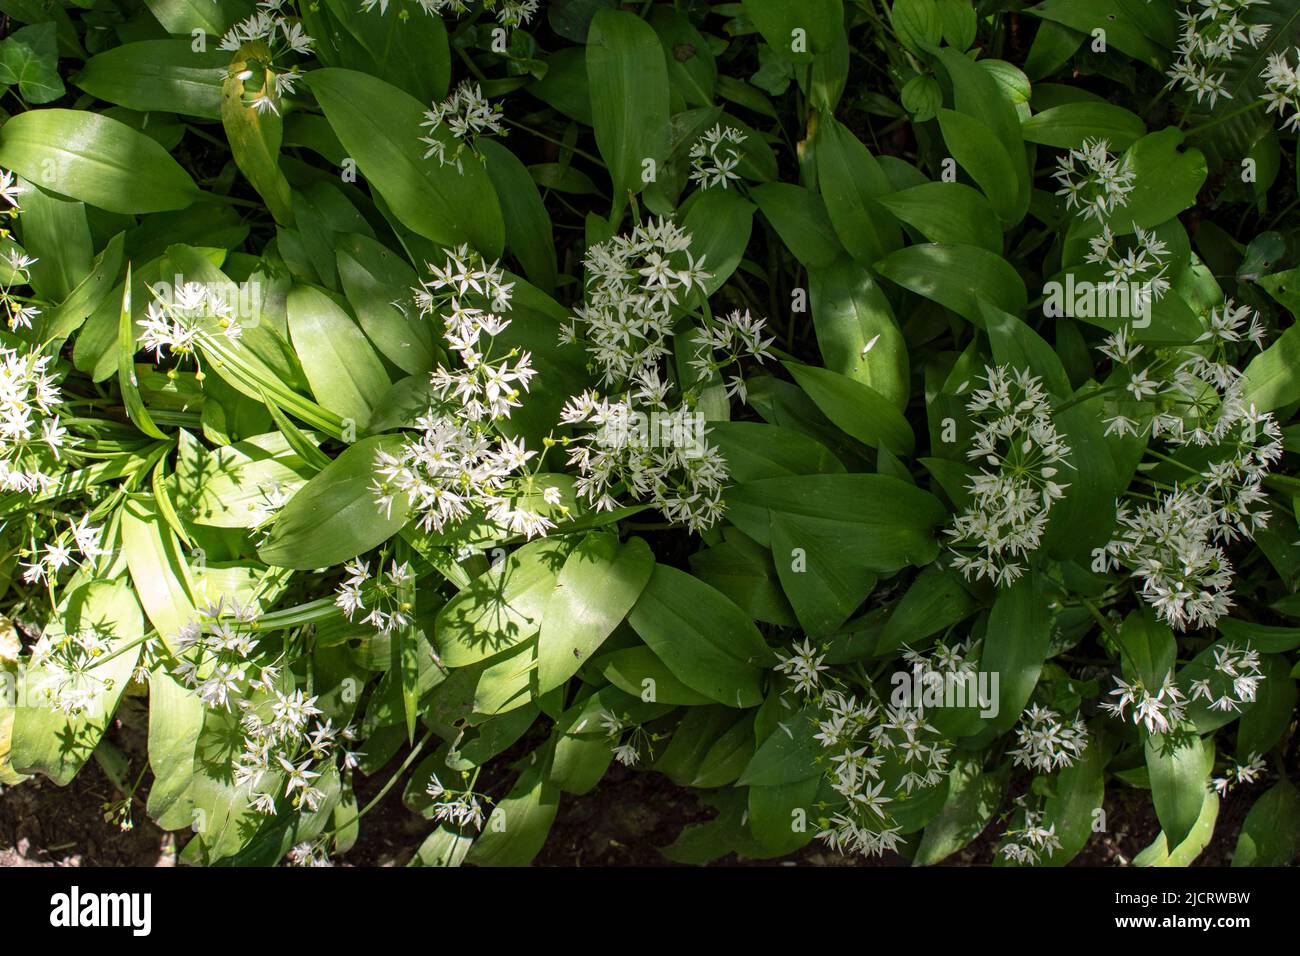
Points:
x=1212 y=32
x=1282 y=88
x=1048 y=741
x=176 y=321
x=876 y=756
x=215 y=652
x=461 y=465
x=1143 y=263
x=715 y=156
x=1240 y=773
x=286 y=745
x=15 y=265
x=387 y=599
x=275 y=36
x=461 y=808
x=1021 y=456
x=1026 y=844
x=60 y=553
x=804 y=665
x=1234 y=678
x=1092 y=181
x=637 y=285
x=1160 y=709
x=61 y=669
x=30 y=431
x=1192 y=398
x=626 y=747
x=466 y=115
x=509 y=13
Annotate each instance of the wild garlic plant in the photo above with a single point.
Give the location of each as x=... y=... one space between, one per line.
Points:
x=647 y=437
x=1188 y=401
x=1212 y=32
x=880 y=751
x=1022 y=462
x=465 y=464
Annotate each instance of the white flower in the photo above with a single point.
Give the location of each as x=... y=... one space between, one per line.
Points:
x=1047 y=741
x=1160 y=710
x=715 y=156
x=804 y=666
x=1282 y=88
x=1092 y=181
x=1212 y=32
x=1021 y=456
x=1235 y=678
x=465 y=115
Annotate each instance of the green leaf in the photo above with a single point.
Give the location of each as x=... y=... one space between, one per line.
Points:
x=856 y=330
x=947 y=212
x=44 y=738
x=1165 y=180
x=799 y=217
x=379 y=126
x=709 y=643
x=1272 y=379
x=797 y=31
x=344 y=373
x=369 y=272
x=637 y=671
x=1017 y=642
x=255 y=135
x=957 y=277
x=527 y=223
x=973 y=799
x=1271 y=834
x=335 y=516
x=934 y=602
x=98 y=160
x=158 y=570
x=175 y=720
x=501 y=607
x=849 y=178
x=517 y=827
x=857 y=409
x=1180 y=776
x=158 y=76
x=29 y=57
x=628 y=80
x=787 y=755
x=882 y=524
x=1068 y=125
x=126 y=380
x=600 y=582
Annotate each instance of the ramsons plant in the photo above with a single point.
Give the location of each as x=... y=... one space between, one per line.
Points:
x=876 y=416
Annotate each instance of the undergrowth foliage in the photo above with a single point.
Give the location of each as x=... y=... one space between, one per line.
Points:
x=878 y=417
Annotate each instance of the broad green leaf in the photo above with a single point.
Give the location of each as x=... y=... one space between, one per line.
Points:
x=856 y=330
x=948 y=213
x=788 y=753
x=96 y=159
x=1017 y=642
x=370 y=272
x=797 y=31
x=858 y=409
x=255 y=135
x=345 y=374
x=637 y=671
x=379 y=126
x=849 y=178
x=29 y=58
x=1180 y=777
x=527 y=223
x=628 y=79
x=517 y=827
x=597 y=587
x=501 y=607
x=957 y=276
x=158 y=76
x=336 y=516
x=973 y=798
x=1068 y=125
x=709 y=643
x=799 y=217
x=1271 y=834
